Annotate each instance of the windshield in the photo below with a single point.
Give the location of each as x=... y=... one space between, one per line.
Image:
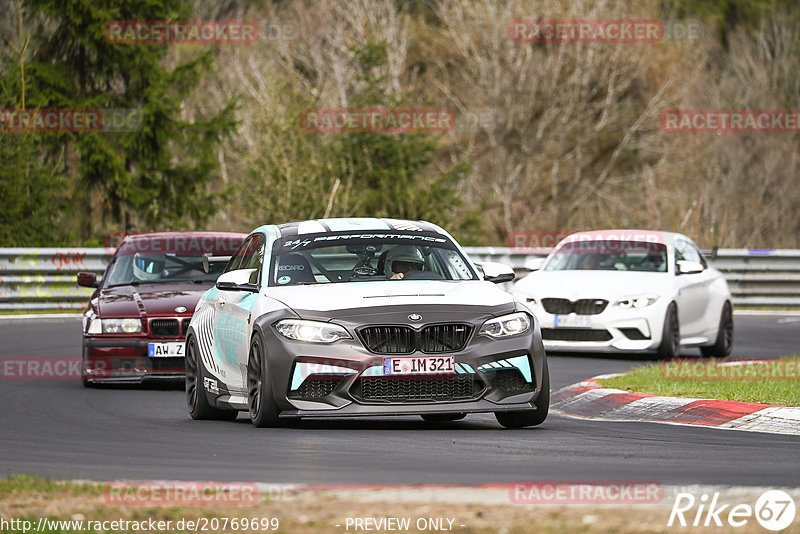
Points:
x=331 y=258
x=610 y=255
x=160 y=268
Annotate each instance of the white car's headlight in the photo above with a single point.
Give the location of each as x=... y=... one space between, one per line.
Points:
x=638 y=301
x=115 y=326
x=507 y=325
x=313 y=331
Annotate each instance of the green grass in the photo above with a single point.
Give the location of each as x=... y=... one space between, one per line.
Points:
x=28 y=484
x=686 y=379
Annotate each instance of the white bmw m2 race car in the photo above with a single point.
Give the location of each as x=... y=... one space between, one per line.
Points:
x=363 y=317
x=629 y=291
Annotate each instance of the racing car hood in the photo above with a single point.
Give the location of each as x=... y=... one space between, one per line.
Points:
x=151 y=299
x=354 y=298
x=591 y=284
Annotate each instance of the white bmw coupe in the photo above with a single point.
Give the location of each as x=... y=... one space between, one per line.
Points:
x=629 y=291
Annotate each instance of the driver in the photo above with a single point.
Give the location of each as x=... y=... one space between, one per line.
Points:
x=401 y=260
x=147 y=267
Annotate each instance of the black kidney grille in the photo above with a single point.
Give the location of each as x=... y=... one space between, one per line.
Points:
x=581 y=306
x=185 y=325
x=435 y=338
x=164 y=328
x=416 y=388
x=557 y=306
x=590 y=306
x=389 y=339
x=444 y=337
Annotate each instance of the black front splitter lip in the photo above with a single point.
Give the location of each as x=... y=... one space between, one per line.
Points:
x=390 y=410
x=138 y=379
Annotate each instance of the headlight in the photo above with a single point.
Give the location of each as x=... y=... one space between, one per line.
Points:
x=640 y=301
x=507 y=325
x=313 y=331
x=115 y=326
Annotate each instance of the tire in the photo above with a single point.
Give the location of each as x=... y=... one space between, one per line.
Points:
x=670 y=346
x=199 y=407
x=442 y=417
x=723 y=345
x=530 y=417
x=262 y=407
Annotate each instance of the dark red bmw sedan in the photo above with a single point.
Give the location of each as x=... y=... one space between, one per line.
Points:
x=134 y=327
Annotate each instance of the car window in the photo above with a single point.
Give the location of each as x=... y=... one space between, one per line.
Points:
x=236 y=259
x=609 y=255
x=365 y=258
x=685 y=251
x=253 y=258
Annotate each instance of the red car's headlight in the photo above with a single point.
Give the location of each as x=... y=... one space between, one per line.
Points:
x=115 y=326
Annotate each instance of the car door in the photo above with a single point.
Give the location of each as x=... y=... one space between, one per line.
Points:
x=693 y=298
x=232 y=315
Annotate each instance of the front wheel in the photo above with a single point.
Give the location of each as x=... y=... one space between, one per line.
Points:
x=723 y=345
x=530 y=417
x=263 y=409
x=671 y=335
x=199 y=407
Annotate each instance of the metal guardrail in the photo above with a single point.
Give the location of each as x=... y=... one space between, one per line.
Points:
x=756 y=277
x=45 y=278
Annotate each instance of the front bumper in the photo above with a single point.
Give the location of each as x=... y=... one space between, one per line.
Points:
x=491 y=375
x=613 y=330
x=120 y=360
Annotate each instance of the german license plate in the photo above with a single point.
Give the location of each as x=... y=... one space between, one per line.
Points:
x=429 y=365
x=572 y=320
x=167 y=349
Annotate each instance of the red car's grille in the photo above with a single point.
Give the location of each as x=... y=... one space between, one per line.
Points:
x=169 y=327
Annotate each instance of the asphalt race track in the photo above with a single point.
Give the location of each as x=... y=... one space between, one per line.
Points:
x=57 y=428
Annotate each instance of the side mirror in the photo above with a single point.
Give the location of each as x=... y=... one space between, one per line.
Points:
x=87 y=280
x=208 y=259
x=534 y=264
x=689 y=267
x=496 y=272
x=238 y=280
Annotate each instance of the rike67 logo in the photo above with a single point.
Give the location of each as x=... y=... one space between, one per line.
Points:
x=774 y=510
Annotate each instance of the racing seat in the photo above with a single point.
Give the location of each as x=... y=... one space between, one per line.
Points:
x=296 y=267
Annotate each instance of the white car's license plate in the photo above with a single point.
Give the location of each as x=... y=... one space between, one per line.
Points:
x=572 y=320
x=430 y=365
x=167 y=349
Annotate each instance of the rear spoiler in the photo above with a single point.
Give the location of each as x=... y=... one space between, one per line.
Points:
x=208 y=259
